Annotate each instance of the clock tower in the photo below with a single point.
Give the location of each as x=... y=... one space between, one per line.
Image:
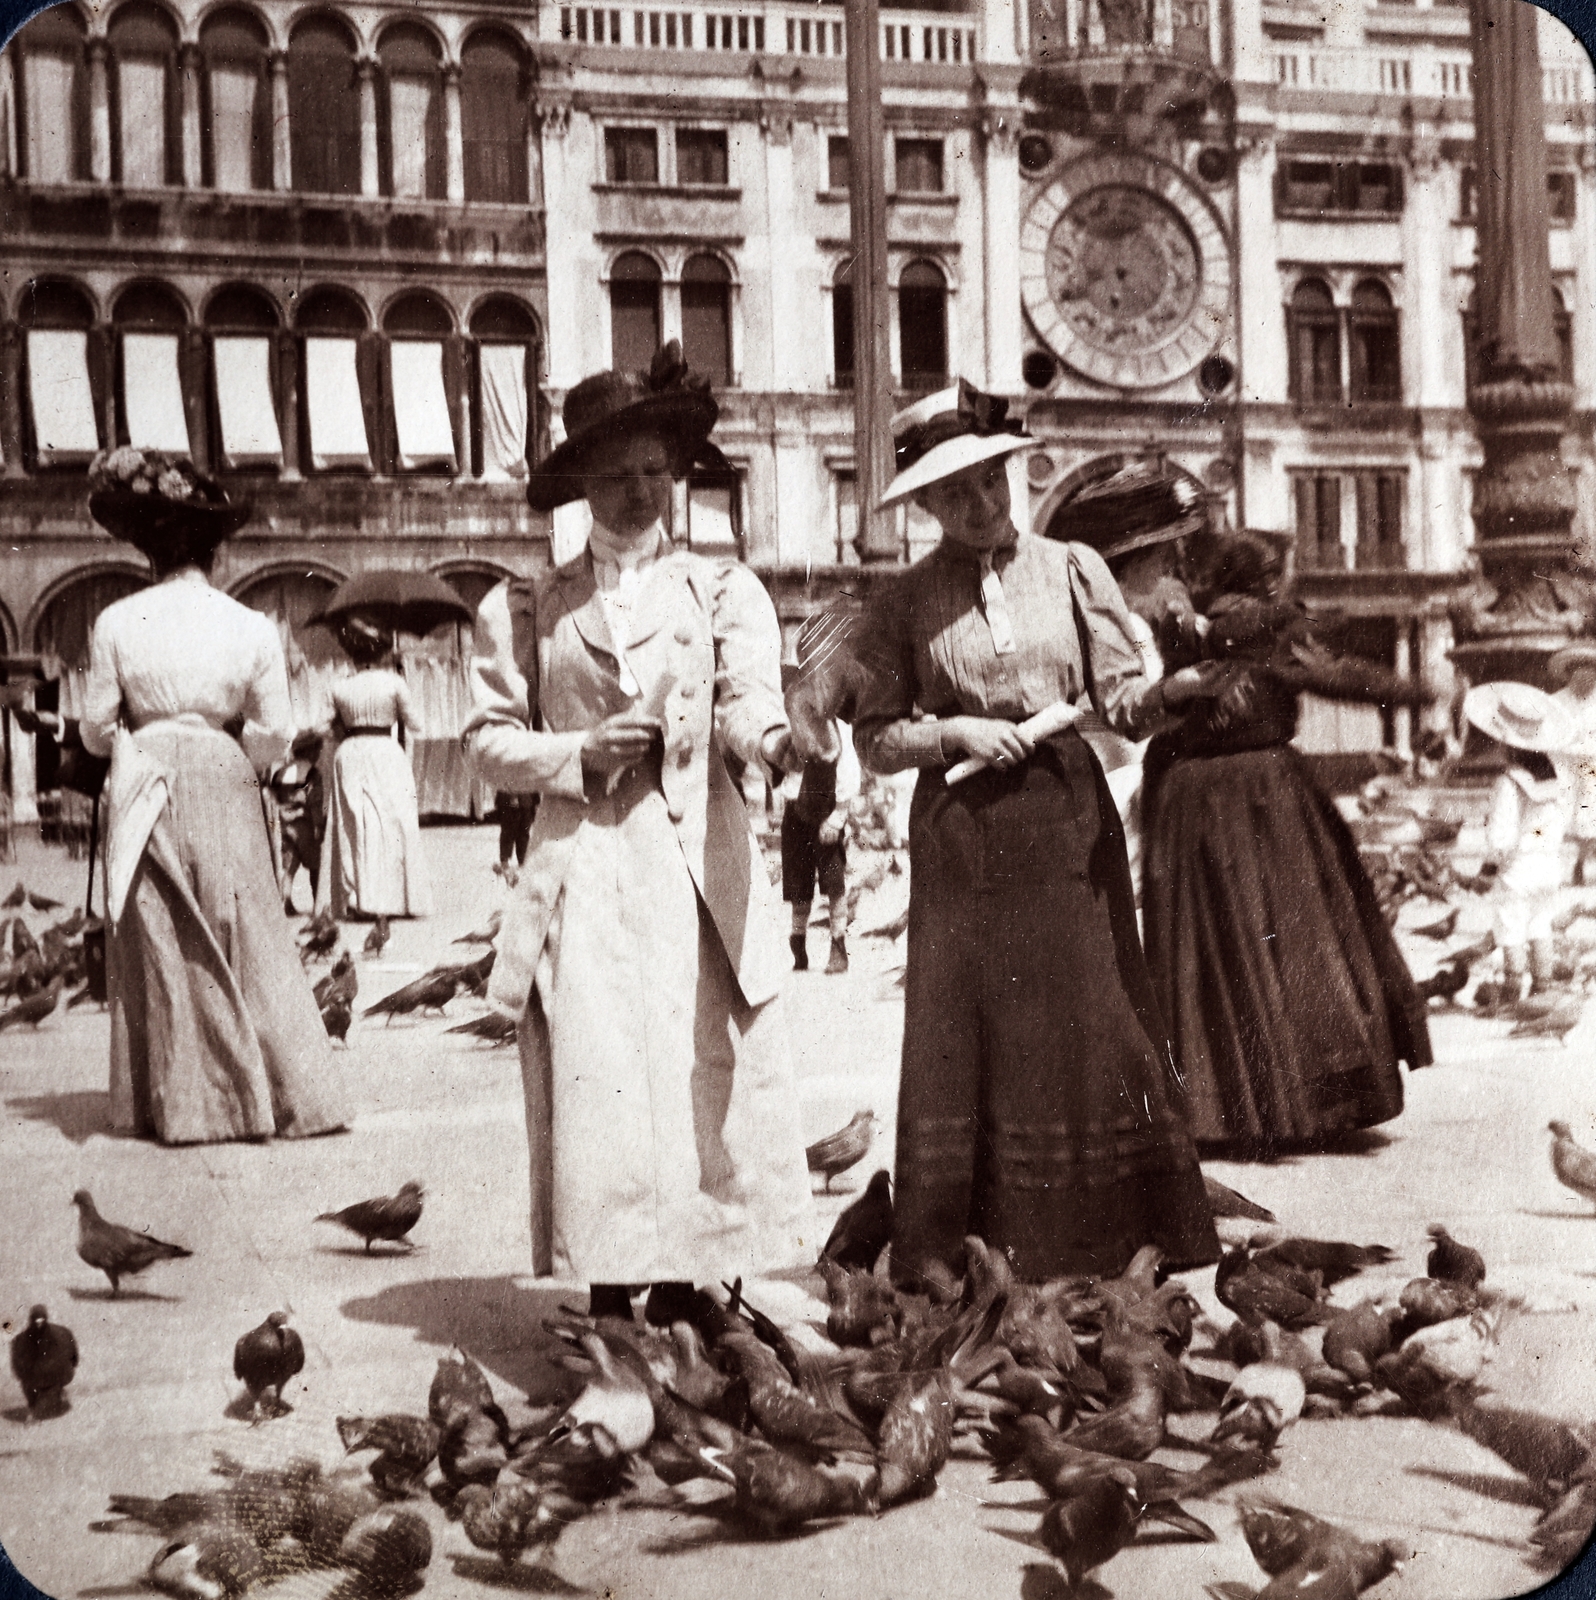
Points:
x=1127 y=244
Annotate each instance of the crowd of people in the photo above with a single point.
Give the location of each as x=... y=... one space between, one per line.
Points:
x=1138 y=927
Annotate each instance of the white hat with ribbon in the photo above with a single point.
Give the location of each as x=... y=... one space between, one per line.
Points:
x=947 y=432
x=1520 y=715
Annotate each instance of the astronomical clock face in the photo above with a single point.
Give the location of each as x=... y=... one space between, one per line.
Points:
x=1125 y=272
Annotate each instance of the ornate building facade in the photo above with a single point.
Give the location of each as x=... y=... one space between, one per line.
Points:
x=350 y=258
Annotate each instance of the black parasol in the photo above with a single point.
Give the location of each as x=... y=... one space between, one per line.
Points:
x=396 y=599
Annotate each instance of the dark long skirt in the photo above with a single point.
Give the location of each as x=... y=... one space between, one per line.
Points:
x=1289 y=1002
x=1038 y=1107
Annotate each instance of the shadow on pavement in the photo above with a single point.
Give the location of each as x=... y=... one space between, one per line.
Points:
x=77 y=1115
x=494 y=1320
x=529 y=1578
x=1509 y=1491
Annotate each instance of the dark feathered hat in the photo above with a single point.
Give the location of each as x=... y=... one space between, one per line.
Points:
x=160 y=504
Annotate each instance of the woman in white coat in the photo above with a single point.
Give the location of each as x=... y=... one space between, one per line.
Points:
x=642 y=947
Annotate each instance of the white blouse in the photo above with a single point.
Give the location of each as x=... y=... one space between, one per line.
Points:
x=183 y=650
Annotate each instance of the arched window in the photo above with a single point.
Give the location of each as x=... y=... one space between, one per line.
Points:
x=493 y=118
x=706 y=318
x=334 y=435
x=150 y=413
x=423 y=363
x=1375 y=345
x=53 y=98
x=240 y=322
x=505 y=367
x=1314 y=328
x=148 y=151
x=634 y=312
x=64 y=381
x=323 y=108
x=923 y=326
x=842 y=326
x=410 y=142
x=235 y=103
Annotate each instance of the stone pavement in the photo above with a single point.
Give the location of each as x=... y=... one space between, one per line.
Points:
x=150 y=1405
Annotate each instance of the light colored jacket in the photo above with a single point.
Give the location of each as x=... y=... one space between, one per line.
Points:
x=705 y=649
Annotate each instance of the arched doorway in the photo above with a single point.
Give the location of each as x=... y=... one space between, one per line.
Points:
x=291 y=598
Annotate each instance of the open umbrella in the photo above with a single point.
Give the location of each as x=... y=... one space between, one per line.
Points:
x=396 y=599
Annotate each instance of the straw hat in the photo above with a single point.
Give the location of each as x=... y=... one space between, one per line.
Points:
x=1578 y=653
x=666 y=401
x=160 y=504
x=947 y=432
x=1519 y=715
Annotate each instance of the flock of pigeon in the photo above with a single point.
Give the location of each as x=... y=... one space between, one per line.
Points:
x=36 y=969
x=723 y=1417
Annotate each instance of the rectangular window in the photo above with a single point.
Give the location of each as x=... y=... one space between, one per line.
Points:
x=631 y=155
x=60 y=399
x=1376 y=360
x=141 y=87
x=1318 y=497
x=1379 y=545
x=410 y=118
x=233 y=95
x=335 y=416
x=250 y=435
x=711 y=518
x=837 y=162
x=1307 y=186
x=1372 y=187
x=420 y=405
x=1561 y=189
x=1361 y=186
x=503 y=411
x=842 y=334
x=52 y=128
x=917 y=166
x=847 y=491
x=152 y=393
x=701 y=155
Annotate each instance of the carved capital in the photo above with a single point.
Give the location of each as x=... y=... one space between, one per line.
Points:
x=451 y=74
x=1001 y=130
x=277 y=63
x=97 y=48
x=775 y=121
x=366 y=69
x=554 y=117
x=1424 y=158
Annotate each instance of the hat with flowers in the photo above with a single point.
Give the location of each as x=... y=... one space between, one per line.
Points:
x=157 y=502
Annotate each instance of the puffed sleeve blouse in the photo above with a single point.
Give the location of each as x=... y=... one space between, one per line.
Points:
x=929 y=649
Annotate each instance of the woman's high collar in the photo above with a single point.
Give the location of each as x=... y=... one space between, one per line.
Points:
x=626 y=555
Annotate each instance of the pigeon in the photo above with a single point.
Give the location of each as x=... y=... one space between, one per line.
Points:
x=1093 y=1525
x=1262 y=1402
x=44 y=1357
x=1332 y=1259
x=265 y=1359
x=389 y=1548
x=336 y=1016
x=319 y=935
x=208 y=1562
x=493 y=1026
x=1557 y=1024
x=1225 y=1202
x=1574 y=1165
x=1551 y=1453
x=915 y=1437
x=22 y=941
x=432 y=991
x=864 y=1229
x=15 y=898
x=389 y=1217
x=502 y=1519
x=405 y=1446
x=890 y=930
x=42 y=902
x=1453 y=1262
x=845 y=1148
x=342 y=983
x=377 y=939
x=778 y=1491
x=116 y=1251
x=1445 y=983
x=1253 y=1292
x=36 y=1007
x=1354 y=1340
x=1440 y=931
x=1307 y=1557
x=615 y=1398
x=484 y=935
x=863 y=1306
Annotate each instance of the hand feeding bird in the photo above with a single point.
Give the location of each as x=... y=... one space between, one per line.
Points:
x=864 y=1229
x=845 y=1148
x=1574 y=1165
x=116 y=1251
x=1452 y=1262
x=44 y=1358
x=388 y=1217
x=264 y=1359
x=36 y=1008
x=377 y=939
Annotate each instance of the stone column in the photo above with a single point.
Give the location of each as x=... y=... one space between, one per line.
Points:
x=288 y=389
x=1000 y=261
x=98 y=52
x=453 y=136
x=282 y=134
x=773 y=267
x=1261 y=329
x=191 y=64
x=11 y=398
x=1428 y=324
x=366 y=74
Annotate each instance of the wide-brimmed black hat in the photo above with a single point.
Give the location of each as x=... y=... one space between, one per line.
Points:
x=1137 y=504
x=666 y=401
x=156 y=503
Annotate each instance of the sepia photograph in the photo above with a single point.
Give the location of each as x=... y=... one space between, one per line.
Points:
x=797 y=797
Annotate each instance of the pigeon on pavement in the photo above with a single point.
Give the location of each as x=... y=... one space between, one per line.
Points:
x=336 y=1016
x=265 y=1359
x=1262 y=1402
x=432 y=991
x=484 y=935
x=1354 y=1340
x=864 y=1229
x=342 y=983
x=1574 y=1165
x=1306 y=1556
x=1225 y=1202
x=389 y=1217
x=44 y=1357
x=493 y=1026
x=1092 y=1526
x=1332 y=1259
x=377 y=939
x=1253 y=1292
x=36 y=1007
x=405 y=1447
x=116 y=1251
x=214 y=1561
x=1557 y=1024
x=845 y=1148
x=1453 y=1262
x=1440 y=931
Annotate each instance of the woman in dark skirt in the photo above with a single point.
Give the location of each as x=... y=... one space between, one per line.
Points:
x=1038 y=1106
x=1288 y=1000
